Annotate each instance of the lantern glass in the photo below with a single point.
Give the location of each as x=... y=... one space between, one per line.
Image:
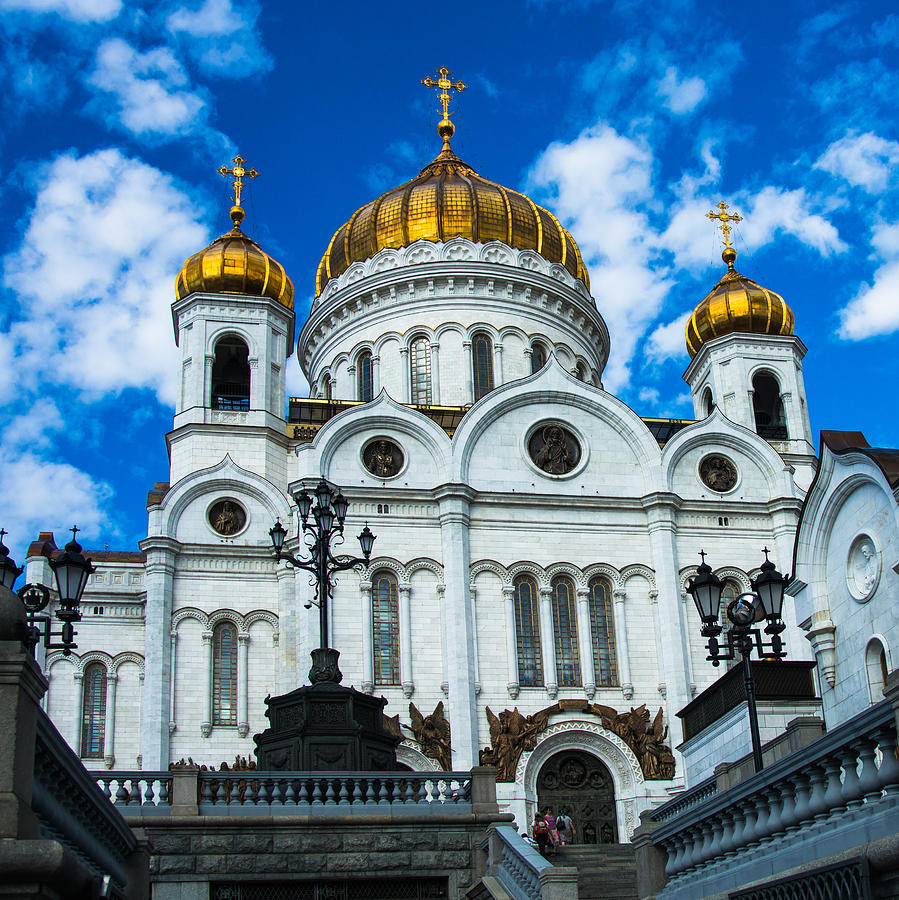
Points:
x=71 y=570
x=341 y=505
x=323 y=493
x=705 y=589
x=304 y=502
x=325 y=517
x=277 y=533
x=366 y=541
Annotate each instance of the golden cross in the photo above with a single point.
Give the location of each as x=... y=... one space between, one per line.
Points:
x=724 y=218
x=239 y=173
x=446 y=84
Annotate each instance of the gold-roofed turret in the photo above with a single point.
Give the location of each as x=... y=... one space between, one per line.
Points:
x=736 y=303
x=234 y=263
x=448 y=199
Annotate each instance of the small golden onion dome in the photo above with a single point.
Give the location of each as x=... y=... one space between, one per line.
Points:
x=737 y=304
x=448 y=199
x=235 y=264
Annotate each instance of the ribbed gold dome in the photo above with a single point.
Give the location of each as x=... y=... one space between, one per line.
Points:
x=449 y=199
x=235 y=264
x=737 y=304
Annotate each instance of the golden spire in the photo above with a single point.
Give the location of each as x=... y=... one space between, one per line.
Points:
x=724 y=218
x=445 y=128
x=239 y=172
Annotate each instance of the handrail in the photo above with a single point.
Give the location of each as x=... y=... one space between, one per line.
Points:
x=686 y=799
x=515 y=863
x=150 y=792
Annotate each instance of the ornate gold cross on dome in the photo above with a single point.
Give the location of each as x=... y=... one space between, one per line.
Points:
x=445 y=128
x=239 y=172
x=724 y=218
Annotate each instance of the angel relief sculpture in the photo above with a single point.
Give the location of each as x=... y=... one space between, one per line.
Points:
x=511 y=734
x=433 y=735
x=655 y=757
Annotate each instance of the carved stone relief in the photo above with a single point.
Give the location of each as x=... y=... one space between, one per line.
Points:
x=554 y=449
x=718 y=473
x=227 y=517
x=383 y=458
x=863 y=568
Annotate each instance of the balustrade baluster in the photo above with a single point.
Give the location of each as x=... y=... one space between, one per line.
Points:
x=727 y=832
x=801 y=812
x=760 y=828
x=869 y=781
x=833 y=795
x=704 y=851
x=382 y=793
x=747 y=807
x=164 y=791
x=852 y=789
x=674 y=847
x=410 y=790
x=121 y=795
x=149 y=794
x=369 y=792
x=290 y=795
x=774 y=826
x=888 y=773
x=277 y=793
x=317 y=793
x=357 y=792
x=344 y=799
x=330 y=796
x=817 y=805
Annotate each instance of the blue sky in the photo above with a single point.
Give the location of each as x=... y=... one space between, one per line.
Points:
x=628 y=119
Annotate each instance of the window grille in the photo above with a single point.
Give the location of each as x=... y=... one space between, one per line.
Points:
x=420 y=370
x=482 y=365
x=93 y=712
x=364 y=377
x=538 y=357
x=224 y=674
x=564 y=608
x=602 y=633
x=527 y=632
x=385 y=629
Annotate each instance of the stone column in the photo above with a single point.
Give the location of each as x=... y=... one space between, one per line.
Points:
x=405 y=611
x=444 y=676
x=473 y=592
x=673 y=649
x=375 y=376
x=109 y=723
x=548 y=643
x=454 y=512
x=435 y=373
x=172 y=720
x=156 y=712
x=585 y=642
x=206 y=399
x=498 y=378
x=469 y=372
x=512 y=685
x=622 y=651
x=407 y=375
x=77 y=711
x=287 y=626
x=243 y=659
x=368 y=672
x=307 y=623
x=206 y=723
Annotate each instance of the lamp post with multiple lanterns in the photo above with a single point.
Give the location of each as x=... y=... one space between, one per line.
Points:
x=71 y=569
x=328 y=512
x=765 y=601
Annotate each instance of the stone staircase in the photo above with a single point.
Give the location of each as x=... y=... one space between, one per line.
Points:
x=605 y=871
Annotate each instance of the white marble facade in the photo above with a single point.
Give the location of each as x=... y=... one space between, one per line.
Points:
x=462 y=517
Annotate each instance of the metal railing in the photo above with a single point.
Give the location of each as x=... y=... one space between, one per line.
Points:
x=849 y=773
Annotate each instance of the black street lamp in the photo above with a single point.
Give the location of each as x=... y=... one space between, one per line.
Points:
x=764 y=602
x=328 y=511
x=71 y=569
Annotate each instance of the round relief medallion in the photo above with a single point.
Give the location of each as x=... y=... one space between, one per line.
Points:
x=554 y=449
x=718 y=473
x=863 y=568
x=383 y=458
x=227 y=517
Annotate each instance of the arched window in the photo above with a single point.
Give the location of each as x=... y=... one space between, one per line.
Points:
x=364 y=376
x=580 y=372
x=768 y=408
x=420 y=370
x=231 y=375
x=93 y=711
x=527 y=632
x=564 y=606
x=482 y=364
x=538 y=357
x=708 y=403
x=385 y=630
x=328 y=388
x=224 y=674
x=602 y=633
x=876 y=668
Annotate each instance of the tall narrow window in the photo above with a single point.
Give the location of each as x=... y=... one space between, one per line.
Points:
x=224 y=674
x=329 y=388
x=708 y=404
x=602 y=633
x=482 y=364
x=385 y=631
x=93 y=711
x=420 y=370
x=730 y=593
x=564 y=606
x=538 y=357
x=231 y=375
x=768 y=408
x=363 y=374
x=527 y=632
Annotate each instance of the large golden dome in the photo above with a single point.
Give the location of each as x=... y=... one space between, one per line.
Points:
x=235 y=264
x=737 y=304
x=449 y=199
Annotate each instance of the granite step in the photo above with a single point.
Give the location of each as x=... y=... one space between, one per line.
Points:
x=605 y=871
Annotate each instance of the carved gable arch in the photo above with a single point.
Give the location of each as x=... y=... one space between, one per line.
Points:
x=391 y=565
x=538 y=573
x=128 y=656
x=95 y=656
x=190 y=612
x=261 y=615
x=639 y=569
x=423 y=563
x=227 y=615
x=573 y=572
x=604 y=570
x=489 y=565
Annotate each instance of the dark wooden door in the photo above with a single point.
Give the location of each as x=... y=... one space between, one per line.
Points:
x=581 y=785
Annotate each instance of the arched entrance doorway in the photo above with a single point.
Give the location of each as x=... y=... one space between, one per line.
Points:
x=581 y=785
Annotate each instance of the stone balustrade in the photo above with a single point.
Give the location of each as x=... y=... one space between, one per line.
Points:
x=148 y=793
x=844 y=782
x=686 y=800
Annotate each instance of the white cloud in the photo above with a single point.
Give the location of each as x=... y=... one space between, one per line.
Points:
x=81 y=11
x=875 y=308
x=864 y=160
x=649 y=395
x=668 y=341
x=151 y=90
x=93 y=278
x=681 y=95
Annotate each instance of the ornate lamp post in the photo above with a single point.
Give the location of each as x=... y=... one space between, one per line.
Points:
x=71 y=569
x=765 y=601
x=328 y=511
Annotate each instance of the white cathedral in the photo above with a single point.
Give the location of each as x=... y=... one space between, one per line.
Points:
x=535 y=535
